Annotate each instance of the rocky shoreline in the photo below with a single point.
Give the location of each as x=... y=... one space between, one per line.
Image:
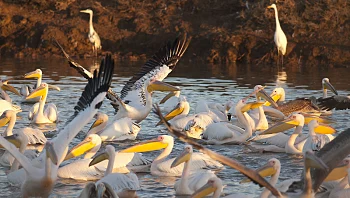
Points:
x=223 y=31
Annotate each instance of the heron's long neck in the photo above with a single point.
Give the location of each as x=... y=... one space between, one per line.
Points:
x=185 y=174
x=11 y=124
x=278 y=26
x=90 y=23
x=273 y=182
x=22 y=148
x=165 y=153
x=110 y=163
x=324 y=93
x=38 y=82
x=92 y=152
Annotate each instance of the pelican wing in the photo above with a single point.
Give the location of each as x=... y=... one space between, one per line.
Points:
x=158 y=67
x=121 y=129
x=51 y=112
x=221 y=131
x=332 y=154
x=35 y=136
x=334 y=102
x=120 y=182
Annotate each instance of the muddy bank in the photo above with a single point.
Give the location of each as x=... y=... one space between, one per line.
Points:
x=224 y=31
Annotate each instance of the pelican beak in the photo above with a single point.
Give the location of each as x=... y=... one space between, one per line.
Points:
x=51 y=153
x=183 y=157
x=40 y=91
x=176 y=111
x=169 y=95
x=101 y=188
x=275 y=97
x=4 y=119
x=262 y=94
x=150 y=145
x=54 y=87
x=264 y=171
x=324 y=129
x=97 y=122
x=13 y=139
x=83 y=147
x=7 y=87
x=311 y=160
x=309 y=117
x=338 y=172
x=251 y=105
x=99 y=158
x=33 y=74
x=328 y=85
x=204 y=191
x=281 y=126
x=161 y=86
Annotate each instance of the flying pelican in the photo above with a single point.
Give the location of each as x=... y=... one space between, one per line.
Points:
x=39 y=177
x=161 y=166
x=189 y=183
x=123 y=185
x=135 y=100
x=93 y=36
x=45 y=113
x=4 y=86
x=80 y=169
x=314 y=141
x=34 y=136
x=279 y=38
x=121 y=129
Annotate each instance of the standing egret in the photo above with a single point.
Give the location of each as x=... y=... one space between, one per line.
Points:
x=279 y=38
x=93 y=36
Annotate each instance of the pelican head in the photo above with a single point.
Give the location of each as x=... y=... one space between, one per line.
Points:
x=278 y=94
x=211 y=186
x=15 y=139
x=170 y=94
x=100 y=119
x=158 y=143
x=6 y=87
x=327 y=85
x=185 y=156
x=104 y=189
x=42 y=91
x=292 y=121
x=272 y=167
x=155 y=85
x=312 y=161
x=272 y=6
x=320 y=128
x=88 y=11
x=34 y=74
x=110 y=150
x=51 y=153
x=183 y=107
x=90 y=142
x=340 y=171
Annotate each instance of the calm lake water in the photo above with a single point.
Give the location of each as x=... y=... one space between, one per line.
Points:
x=214 y=83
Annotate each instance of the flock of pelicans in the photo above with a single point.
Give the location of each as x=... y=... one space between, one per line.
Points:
x=258 y=125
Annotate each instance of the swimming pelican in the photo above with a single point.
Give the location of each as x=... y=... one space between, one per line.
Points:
x=293 y=146
x=123 y=185
x=80 y=169
x=34 y=137
x=189 y=183
x=121 y=129
x=26 y=90
x=45 y=113
x=135 y=100
x=279 y=38
x=39 y=177
x=4 y=86
x=161 y=166
x=93 y=36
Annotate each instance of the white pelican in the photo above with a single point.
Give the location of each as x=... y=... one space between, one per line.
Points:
x=34 y=136
x=93 y=36
x=161 y=166
x=123 y=185
x=121 y=129
x=220 y=110
x=189 y=183
x=4 y=86
x=135 y=99
x=279 y=38
x=292 y=145
x=80 y=169
x=39 y=177
x=170 y=101
x=45 y=113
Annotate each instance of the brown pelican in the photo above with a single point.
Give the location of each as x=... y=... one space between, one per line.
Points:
x=279 y=37
x=93 y=36
x=39 y=177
